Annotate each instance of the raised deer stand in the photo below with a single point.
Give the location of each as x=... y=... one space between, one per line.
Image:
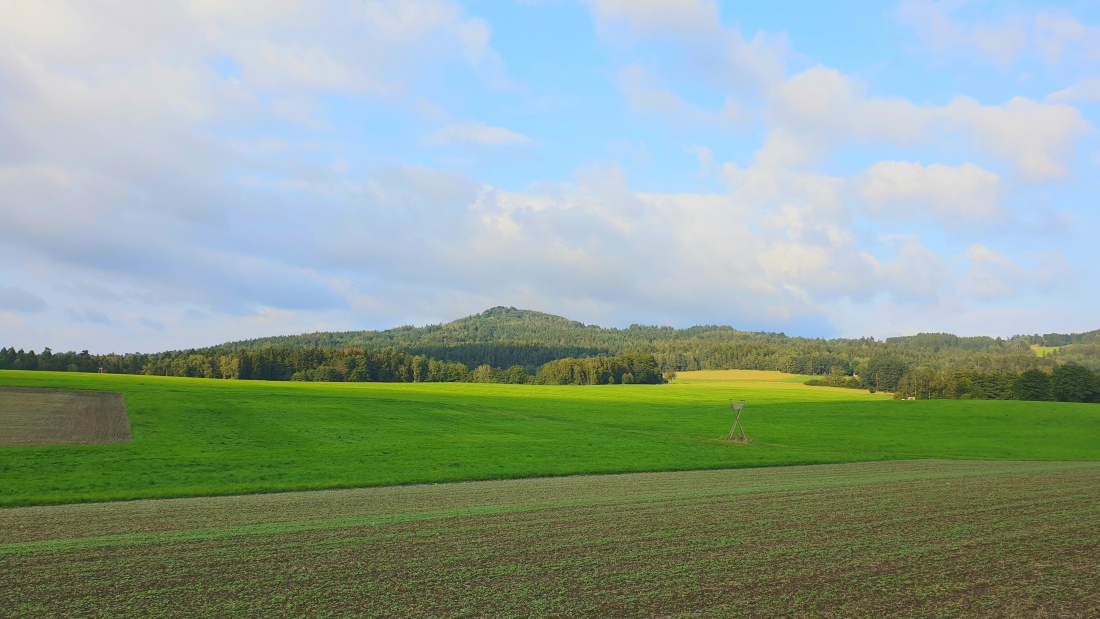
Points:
x=737 y=427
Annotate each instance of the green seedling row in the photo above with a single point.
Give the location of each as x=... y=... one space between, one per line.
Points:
x=886 y=539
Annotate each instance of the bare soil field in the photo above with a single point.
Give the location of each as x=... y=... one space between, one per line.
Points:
x=38 y=416
x=886 y=539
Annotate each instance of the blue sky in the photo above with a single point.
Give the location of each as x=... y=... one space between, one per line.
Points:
x=178 y=174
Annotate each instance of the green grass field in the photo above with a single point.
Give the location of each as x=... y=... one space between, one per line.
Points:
x=885 y=539
x=194 y=437
x=1043 y=351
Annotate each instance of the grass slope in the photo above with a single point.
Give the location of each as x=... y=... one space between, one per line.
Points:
x=897 y=539
x=194 y=437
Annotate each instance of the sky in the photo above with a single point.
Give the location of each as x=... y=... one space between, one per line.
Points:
x=177 y=174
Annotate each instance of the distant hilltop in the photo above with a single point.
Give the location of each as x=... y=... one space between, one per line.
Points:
x=508 y=325
x=502 y=325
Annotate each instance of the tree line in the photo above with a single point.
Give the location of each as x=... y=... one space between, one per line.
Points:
x=1070 y=382
x=631 y=368
x=343 y=365
x=1066 y=382
x=11 y=359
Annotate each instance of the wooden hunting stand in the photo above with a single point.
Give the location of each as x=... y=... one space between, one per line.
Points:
x=737 y=408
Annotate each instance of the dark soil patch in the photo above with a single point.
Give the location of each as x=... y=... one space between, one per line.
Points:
x=36 y=416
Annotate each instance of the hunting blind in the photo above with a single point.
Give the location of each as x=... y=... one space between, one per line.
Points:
x=737 y=408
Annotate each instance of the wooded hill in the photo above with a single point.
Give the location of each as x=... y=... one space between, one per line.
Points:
x=505 y=337
x=511 y=345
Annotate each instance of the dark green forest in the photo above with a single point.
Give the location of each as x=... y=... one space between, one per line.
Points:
x=508 y=345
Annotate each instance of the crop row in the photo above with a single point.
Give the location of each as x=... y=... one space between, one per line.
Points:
x=923 y=539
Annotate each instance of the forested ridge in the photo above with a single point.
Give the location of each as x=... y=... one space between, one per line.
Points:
x=511 y=345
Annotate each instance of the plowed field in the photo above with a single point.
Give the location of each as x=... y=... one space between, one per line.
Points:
x=39 y=416
x=890 y=539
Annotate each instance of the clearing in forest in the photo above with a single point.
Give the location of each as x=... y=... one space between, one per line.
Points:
x=38 y=416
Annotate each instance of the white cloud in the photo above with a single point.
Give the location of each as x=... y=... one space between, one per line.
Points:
x=820 y=109
x=285 y=46
x=1087 y=89
x=402 y=22
x=646 y=94
x=305 y=111
x=812 y=113
x=917 y=275
x=1037 y=137
x=1059 y=33
x=375 y=47
x=84 y=35
x=248 y=13
x=126 y=112
x=992 y=275
x=705 y=48
x=114 y=167
x=781 y=246
x=287 y=67
x=644 y=17
x=953 y=195
x=1049 y=36
x=478 y=134
x=783 y=148
x=1001 y=42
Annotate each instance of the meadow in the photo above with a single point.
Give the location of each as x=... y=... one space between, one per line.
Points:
x=196 y=437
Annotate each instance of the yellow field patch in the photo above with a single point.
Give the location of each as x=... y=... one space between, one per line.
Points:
x=741 y=376
x=774 y=382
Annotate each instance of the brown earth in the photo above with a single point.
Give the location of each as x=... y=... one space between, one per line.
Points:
x=887 y=539
x=37 y=416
